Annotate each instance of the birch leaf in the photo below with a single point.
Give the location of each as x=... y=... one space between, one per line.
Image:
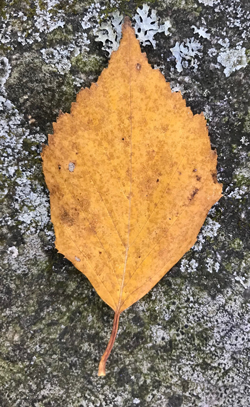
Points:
x=131 y=176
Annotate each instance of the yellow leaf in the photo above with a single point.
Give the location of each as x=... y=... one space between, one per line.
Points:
x=131 y=176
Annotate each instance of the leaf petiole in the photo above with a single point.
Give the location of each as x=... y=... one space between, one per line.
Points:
x=102 y=364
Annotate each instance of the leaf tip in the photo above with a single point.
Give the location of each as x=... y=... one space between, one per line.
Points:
x=126 y=22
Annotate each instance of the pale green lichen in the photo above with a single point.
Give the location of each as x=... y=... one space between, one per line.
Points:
x=237 y=244
x=246 y=127
x=232 y=59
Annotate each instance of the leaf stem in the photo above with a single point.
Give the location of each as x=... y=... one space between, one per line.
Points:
x=102 y=364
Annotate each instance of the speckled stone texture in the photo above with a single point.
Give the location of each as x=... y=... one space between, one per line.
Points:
x=186 y=343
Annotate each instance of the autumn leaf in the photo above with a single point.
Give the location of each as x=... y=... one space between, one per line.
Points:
x=131 y=176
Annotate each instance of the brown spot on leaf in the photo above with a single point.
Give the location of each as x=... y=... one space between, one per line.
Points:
x=214 y=176
x=195 y=191
x=66 y=218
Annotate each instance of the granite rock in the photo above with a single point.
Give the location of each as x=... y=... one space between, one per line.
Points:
x=186 y=343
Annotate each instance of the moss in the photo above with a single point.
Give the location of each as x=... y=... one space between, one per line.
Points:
x=246 y=127
x=60 y=35
x=242 y=175
x=237 y=244
x=241 y=180
x=72 y=7
x=93 y=64
x=29 y=7
x=67 y=94
x=2 y=6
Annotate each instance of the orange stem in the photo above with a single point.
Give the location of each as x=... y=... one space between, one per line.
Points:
x=102 y=364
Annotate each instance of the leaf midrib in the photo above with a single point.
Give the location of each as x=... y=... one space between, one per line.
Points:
x=130 y=181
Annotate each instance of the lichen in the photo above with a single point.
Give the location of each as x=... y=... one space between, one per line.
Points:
x=232 y=59
x=147 y=25
x=186 y=53
x=247 y=126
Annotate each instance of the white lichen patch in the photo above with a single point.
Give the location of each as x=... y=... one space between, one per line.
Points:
x=202 y=32
x=185 y=54
x=147 y=25
x=160 y=335
x=30 y=202
x=244 y=141
x=237 y=17
x=209 y=2
x=31 y=205
x=232 y=59
x=19 y=259
x=28 y=30
x=189 y=266
x=59 y=57
x=212 y=265
x=208 y=230
x=13 y=251
x=91 y=16
x=45 y=20
x=241 y=280
x=5 y=70
x=109 y=33
x=238 y=193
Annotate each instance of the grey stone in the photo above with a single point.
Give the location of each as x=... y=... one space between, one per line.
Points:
x=186 y=343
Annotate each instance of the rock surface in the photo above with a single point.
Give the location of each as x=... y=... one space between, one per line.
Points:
x=186 y=343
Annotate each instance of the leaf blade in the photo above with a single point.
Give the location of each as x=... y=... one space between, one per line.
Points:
x=131 y=176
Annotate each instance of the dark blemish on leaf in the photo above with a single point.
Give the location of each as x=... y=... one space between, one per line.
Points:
x=138 y=67
x=198 y=178
x=122 y=138
x=169 y=218
x=195 y=170
x=157 y=180
x=59 y=167
x=100 y=252
x=193 y=194
x=214 y=176
x=66 y=218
